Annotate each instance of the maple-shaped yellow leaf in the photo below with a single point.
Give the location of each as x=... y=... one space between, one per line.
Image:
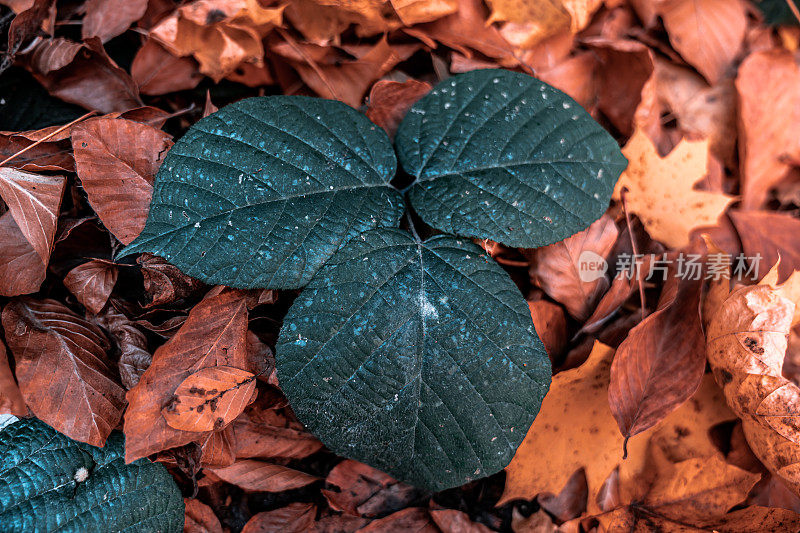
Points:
x=660 y=189
x=574 y=429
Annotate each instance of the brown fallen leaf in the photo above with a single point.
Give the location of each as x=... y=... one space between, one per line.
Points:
x=106 y=19
x=660 y=364
x=218 y=449
x=577 y=76
x=574 y=429
x=214 y=334
x=562 y=269
x=11 y=400
x=410 y=519
x=768 y=84
x=258 y=440
x=34 y=202
x=661 y=190
x=771 y=236
x=21 y=268
x=210 y=398
x=199 y=518
x=551 y=326
x=117 y=160
x=360 y=490
x=707 y=33
x=63 y=371
x=296 y=517
x=83 y=74
x=466 y=31
x=259 y=476
x=92 y=282
x=156 y=71
x=389 y=101
x=164 y=283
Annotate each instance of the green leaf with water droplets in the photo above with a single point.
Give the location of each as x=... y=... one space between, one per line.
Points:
x=264 y=191
x=418 y=358
x=49 y=482
x=500 y=155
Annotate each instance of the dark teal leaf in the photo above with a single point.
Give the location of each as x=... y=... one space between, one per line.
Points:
x=500 y=155
x=39 y=491
x=778 y=12
x=263 y=192
x=418 y=359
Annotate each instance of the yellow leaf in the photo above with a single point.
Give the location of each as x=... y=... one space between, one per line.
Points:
x=574 y=429
x=528 y=22
x=661 y=193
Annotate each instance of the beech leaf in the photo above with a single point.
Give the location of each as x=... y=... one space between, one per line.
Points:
x=92 y=282
x=210 y=398
x=63 y=369
x=263 y=192
x=263 y=477
x=500 y=155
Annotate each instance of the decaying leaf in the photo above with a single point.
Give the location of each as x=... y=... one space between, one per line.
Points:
x=92 y=282
x=360 y=490
x=210 y=398
x=294 y=518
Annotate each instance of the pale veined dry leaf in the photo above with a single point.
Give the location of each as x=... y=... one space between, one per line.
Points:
x=416 y=11
x=21 y=268
x=63 y=371
x=529 y=23
x=33 y=202
x=661 y=190
x=263 y=477
x=117 y=160
x=747 y=340
x=210 y=398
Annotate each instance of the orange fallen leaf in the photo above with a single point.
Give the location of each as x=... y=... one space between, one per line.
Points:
x=296 y=517
x=661 y=190
x=529 y=23
x=771 y=236
x=360 y=490
x=11 y=400
x=574 y=429
x=210 y=398
x=417 y=11
x=108 y=18
x=156 y=71
x=199 y=518
x=768 y=84
x=389 y=101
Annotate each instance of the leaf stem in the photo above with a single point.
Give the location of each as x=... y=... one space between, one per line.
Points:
x=635 y=254
x=411 y=226
x=48 y=136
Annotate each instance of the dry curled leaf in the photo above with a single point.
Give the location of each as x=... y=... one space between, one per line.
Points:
x=210 y=398
x=200 y=518
x=134 y=357
x=747 y=341
x=360 y=490
x=63 y=369
x=108 y=18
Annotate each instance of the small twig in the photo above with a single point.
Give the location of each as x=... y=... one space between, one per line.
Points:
x=793 y=9
x=635 y=254
x=48 y=136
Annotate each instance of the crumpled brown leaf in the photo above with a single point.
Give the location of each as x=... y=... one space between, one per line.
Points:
x=297 y=517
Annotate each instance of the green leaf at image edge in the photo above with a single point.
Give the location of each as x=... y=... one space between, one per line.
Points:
x=264 y=191
x=39 y=491
x=500 y=155
x=417 y=358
